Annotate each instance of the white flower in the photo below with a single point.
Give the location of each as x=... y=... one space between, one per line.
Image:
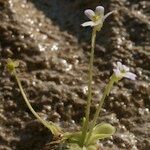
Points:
x=97 y=18
x=123 y=71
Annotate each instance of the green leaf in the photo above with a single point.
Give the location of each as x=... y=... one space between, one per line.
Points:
x=73 y=146
x=103 y=128
x=56 y=130
x=101 y=131
x=73 y=137
x=92 y=147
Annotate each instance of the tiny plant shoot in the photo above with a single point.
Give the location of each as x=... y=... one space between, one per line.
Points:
x=88 y=137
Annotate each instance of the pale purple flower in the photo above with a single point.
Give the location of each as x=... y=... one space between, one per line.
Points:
x=97 y=17
x=123 y=71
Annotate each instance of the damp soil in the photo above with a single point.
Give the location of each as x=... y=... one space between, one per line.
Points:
x=46 y=37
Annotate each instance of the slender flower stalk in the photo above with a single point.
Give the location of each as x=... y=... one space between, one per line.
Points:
x=106 y=93
x=87 y=112
x=48 y=125
x=11 y=65
x=119 y=72
x=97 y=18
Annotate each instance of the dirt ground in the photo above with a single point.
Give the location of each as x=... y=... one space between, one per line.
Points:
x=53 y=50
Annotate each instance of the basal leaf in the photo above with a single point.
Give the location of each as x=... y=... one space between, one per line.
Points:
x=101 y=131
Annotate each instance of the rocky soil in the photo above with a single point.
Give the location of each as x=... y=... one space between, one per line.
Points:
x=53 y=50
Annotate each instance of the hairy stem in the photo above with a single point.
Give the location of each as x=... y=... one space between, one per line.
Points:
x=48 y=125
x=106 y=93
x=87 y=112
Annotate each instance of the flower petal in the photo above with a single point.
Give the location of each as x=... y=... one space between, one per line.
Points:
x=117 y=72
x=125 y=68
x=99 y=11
x=119 y=66
x=88 y=23
x=89 y=13
x=130 y=75
x=108 y=14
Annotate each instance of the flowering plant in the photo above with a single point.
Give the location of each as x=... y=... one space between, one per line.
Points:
x=90 y=134
x=123 y=71
x=97 y=18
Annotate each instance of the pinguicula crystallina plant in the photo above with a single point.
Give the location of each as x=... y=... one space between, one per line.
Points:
x=88 y=137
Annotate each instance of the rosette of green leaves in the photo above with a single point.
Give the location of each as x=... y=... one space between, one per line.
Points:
x=100 y=131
